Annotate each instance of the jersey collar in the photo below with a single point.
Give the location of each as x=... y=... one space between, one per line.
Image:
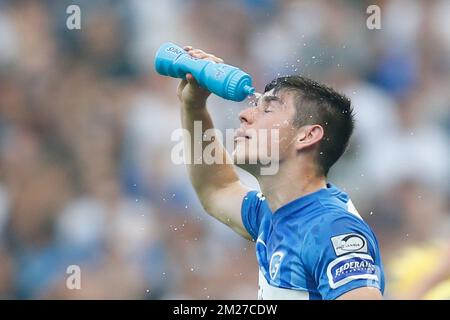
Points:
x=306 y=200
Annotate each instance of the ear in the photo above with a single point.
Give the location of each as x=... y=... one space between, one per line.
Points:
x=308 y=136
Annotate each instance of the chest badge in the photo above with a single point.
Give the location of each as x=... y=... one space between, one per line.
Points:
x=275 y=263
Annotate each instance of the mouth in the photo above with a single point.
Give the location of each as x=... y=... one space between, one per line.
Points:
x=241 y=135
x=240 y=138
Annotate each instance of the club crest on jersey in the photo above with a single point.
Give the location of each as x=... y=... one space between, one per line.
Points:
x=275 y=263
x=348 y=243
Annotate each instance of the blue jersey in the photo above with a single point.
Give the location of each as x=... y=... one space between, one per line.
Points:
x=315 y=247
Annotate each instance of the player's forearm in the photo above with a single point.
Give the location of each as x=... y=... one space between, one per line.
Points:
x=205 y=177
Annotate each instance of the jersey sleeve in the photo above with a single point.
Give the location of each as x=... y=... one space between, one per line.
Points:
x=342 y=255
x=252 y=212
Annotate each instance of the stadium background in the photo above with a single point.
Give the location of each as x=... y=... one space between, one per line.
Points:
x=85 y=172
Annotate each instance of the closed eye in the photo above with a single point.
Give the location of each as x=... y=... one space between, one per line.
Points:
x=268 y=102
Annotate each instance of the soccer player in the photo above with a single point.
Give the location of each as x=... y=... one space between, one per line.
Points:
x=311 y=243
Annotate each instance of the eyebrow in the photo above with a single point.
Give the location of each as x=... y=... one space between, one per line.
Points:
x=271 y=98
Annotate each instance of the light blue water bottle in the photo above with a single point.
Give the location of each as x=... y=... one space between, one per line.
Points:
x=224 y=80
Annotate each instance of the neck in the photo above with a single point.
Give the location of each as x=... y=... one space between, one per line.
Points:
x=290 y=183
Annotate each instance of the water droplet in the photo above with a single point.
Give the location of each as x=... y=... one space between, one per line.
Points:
x=371 y=213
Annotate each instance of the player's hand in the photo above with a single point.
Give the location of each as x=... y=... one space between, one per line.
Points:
x=190 y=93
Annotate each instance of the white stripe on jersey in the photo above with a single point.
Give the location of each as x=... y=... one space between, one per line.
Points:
x=351 y=208
x=269 y=292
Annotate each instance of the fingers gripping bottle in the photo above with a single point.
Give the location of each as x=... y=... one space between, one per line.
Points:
x=224 y=80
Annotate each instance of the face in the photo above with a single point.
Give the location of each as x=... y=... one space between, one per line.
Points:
x=266 y=133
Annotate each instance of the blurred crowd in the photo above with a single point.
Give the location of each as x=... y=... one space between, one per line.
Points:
x=86 y=176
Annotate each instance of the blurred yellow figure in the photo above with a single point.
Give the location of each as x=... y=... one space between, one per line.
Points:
x=420 y=272
x=439 y=292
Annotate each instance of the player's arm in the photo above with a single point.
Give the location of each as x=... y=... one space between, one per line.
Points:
x=344 y=259
x=217 y=185
x=364 y=293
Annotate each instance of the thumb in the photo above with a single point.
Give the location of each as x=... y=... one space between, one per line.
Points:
x=181 y=87
x=191 y=80
x=182 y=84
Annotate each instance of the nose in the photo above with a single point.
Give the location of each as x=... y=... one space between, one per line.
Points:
x=246 y=116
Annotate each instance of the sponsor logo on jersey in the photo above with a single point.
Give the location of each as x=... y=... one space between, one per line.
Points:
x=275 y=263
x=348 y=243
x=350 y=267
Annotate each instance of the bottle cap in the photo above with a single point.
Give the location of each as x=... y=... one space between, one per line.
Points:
x=239 y=86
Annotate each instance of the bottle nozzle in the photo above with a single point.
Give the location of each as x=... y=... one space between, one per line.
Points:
x=249 y=90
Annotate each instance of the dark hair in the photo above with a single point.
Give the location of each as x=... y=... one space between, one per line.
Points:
x=317 y=103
